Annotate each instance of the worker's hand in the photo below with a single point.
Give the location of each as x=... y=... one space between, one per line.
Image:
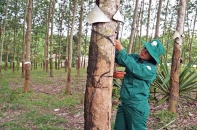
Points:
x=118 y=45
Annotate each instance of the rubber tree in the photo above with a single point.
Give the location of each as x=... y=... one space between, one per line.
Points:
x=23 y=43
x=131 y=40
x=158 y=20
x=175 y=67
x=51 y=37
x=98 y=93
x=46 y=43
x=27 y=41
x=2 y=37
x=68 y=82
x=79 y=40
x=148 y=20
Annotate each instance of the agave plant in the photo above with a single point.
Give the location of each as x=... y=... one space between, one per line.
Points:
x=116 y=87
x=187 y=82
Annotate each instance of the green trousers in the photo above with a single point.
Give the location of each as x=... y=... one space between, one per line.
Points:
x=132 y=117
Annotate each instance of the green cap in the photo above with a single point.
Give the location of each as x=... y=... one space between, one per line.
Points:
x=155 y=49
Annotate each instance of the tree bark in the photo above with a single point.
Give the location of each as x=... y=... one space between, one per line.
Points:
x=148 y=20
x=27 y=41
x=164 y=26
x=79 y=40
x=23 y=44
x=45 y=63
x=133 y=29
x=67 y=39
x=51 y=39
x=15 y=32
x=97 y=111
x=2 y=35
x=169 y=36
x=68 y=83
x=192 y=38
x=158 y=20
x=85 y=46
x=141 y=22
x=174 y=75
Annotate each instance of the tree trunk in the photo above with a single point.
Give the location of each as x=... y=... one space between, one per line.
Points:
x=192 y=38
x=158 y=20
x=79 y=40
x=85 y=46
x=23 y=44
x=169 y=36
x=27 y=41
x=164 y=28
x=15 y=32
x=133 y=29
x=141 y=22
x=45 y=64
x=68 y=83
x=2 y=35
x=51 y=39
x=153 y=21
x=67 y=39
x=97 y=105
x=61 y=16
x=148 y=20
x=174 y=75
x=6 y=61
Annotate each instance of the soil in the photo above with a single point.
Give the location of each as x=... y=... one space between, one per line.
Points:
x=187 y=113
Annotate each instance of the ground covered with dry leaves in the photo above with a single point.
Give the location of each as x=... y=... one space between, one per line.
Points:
x=158 y=119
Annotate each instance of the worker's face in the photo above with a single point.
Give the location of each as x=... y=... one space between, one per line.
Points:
x=144 y=54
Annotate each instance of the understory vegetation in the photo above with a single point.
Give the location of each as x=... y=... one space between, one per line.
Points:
x=47 y=107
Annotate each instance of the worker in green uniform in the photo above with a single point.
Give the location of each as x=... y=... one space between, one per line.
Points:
x=140 y=71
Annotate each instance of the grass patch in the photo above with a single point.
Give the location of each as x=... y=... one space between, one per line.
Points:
x=34 y=110
x=164 y=117
x=36 y=119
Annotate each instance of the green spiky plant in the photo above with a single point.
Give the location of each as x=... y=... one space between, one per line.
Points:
x=187 y=82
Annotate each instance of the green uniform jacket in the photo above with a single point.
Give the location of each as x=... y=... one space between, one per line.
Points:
x=139 y=75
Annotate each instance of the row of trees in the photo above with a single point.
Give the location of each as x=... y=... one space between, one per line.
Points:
x=59 y=27
x=13 y=25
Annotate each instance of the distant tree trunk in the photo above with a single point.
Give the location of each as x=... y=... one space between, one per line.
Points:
x=133 y=29
x=6 y=61
x=45 y=65
x=67 y=39
x=8 y=52
x=134 y=48
x=148 y=20
x=169 y=35
x=158 y=20
x=97 y=105
x=136 y=35
x=174 y=75
x=68 y=83
x=187 y=39
x=27 y=41
x=79 y=40
x=32 y=44
x=153 y=26
x=164 y=28
x=141 y=23
x=190 y=45
x=61 y=15
x=15 y=32
x=2 y=35
x=85 y=46
x=191 y=42
x=51 y=39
